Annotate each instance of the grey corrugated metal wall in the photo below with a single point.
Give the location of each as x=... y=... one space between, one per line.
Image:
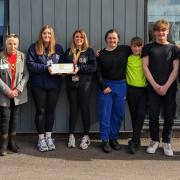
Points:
x=95 y=17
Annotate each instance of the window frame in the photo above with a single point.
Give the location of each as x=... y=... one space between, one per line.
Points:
x=6 y=17
x=6 y=20
x=146 y=22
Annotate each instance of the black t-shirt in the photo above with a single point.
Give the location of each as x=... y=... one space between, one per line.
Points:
x=112 y=64
x=161 y=57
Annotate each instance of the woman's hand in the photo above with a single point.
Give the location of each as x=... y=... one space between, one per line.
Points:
x=76 y=69
x=16 y=92
x=10 y=94
x=50 y=69
x=97 y=53
x=107 y=90
x=13 y=93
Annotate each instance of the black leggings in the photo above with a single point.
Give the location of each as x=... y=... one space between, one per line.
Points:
x=45 y=102
x=137 y=98
x=79 y=97
x=9 y=117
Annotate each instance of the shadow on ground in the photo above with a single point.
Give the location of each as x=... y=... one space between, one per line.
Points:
x=28 y=147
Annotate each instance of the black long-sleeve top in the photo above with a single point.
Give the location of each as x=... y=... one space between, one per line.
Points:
x=112 y=65
x=86 y=63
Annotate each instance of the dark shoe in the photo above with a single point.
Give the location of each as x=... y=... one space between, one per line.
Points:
x=133 y=147
x=115 y=145
x=12 y=143
x=106 y=147
x=4 y=143
x=138 y=145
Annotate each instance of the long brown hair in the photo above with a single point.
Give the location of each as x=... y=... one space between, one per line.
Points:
x=39 y=44
x=85 y=44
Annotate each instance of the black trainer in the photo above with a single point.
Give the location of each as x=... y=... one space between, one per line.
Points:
x=106 y=147
x=133 y=147
x=115 y=145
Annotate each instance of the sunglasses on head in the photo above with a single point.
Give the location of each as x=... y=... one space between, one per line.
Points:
x=12 y=36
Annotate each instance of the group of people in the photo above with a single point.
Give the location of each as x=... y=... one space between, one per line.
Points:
x=144 y=75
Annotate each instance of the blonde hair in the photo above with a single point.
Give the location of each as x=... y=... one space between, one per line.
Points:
x=161 y=25
x=39 y=44
x=85 y=44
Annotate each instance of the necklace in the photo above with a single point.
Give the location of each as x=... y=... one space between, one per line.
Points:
x=13 y=66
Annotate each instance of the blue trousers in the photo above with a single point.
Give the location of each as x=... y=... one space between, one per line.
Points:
x=112 y=110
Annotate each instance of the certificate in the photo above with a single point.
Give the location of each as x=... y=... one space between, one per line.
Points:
x=62 y=68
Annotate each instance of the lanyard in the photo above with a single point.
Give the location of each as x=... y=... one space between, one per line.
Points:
x=76 y=55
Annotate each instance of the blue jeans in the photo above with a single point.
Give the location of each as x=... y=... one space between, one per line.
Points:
x=112 y=110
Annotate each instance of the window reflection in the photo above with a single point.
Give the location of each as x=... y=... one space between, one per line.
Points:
x=165 y=9
x=1 y=22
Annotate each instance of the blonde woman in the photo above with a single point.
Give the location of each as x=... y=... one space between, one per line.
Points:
x=45 y=86
x=13 y=92
x=79 y=85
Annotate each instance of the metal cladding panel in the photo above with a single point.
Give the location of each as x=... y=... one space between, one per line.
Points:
x=26 y=17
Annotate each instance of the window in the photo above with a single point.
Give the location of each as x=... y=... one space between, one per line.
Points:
x=1 y=22
x=165 y=9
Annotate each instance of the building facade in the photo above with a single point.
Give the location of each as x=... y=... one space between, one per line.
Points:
x=130 y=17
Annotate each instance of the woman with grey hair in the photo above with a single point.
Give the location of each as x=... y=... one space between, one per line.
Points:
x=13 y=92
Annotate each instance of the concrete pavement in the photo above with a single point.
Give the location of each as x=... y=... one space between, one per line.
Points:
x=91 y=164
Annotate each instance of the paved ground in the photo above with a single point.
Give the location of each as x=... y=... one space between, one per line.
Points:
x=91 y=164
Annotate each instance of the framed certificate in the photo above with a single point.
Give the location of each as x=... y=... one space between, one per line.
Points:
x=62 y=68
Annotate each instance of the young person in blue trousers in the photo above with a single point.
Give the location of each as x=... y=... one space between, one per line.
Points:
x=111 y=74
x=45 y=87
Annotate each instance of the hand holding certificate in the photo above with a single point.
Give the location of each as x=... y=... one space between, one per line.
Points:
x=63 y=68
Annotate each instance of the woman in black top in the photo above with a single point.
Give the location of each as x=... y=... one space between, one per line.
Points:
x=79 y=84
x=112 y=63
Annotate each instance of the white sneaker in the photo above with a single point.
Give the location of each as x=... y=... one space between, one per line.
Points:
x=42 y=146
x=50 y=143
x=167 y=149
x=85 y=142
x=152 y=147
x=72 y=141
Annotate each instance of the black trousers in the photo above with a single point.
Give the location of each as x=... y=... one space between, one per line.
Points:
x=168 y=105
x=137 y=99
x=45 y=103
x=9 y=117
x=79 y=98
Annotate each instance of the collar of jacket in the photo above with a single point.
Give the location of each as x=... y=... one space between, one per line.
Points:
x=4 y=58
